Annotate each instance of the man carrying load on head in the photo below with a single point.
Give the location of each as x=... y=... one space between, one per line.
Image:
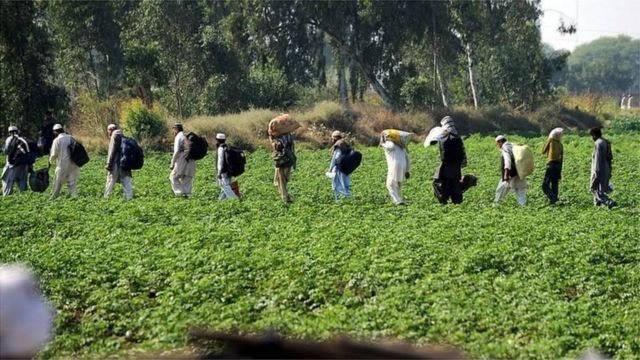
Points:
x=398 y=168
x=284 y=154
x=12 y=172
x=66 y=170
x=114 y=172
x=509 y=174
x=340 y=182
x=446 y=180
x=183 y=169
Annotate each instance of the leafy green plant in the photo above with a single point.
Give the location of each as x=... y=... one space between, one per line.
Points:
x=140 y=121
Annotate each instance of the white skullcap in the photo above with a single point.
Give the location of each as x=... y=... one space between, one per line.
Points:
x=13 y=128
x=112 y=127
x=57 y=127
x=336 y=133
x=221 y=136
x=500 y=138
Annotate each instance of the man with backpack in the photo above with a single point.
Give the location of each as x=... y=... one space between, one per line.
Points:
x=14 y=171
x=115 y=172
x=446 y=180
x=340 y=182
x=284 y=157
x=601 y=161
x=66 y=170
x=509 y=174
x=183 y=169
x=222 y=168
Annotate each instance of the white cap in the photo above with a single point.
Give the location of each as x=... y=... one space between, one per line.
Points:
x=336 y=133
x=221 y=136
x=13 y=128
x=57 y=127
x=112 y=127
x=500 y=138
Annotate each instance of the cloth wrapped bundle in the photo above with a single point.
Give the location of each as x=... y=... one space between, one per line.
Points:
x=523 y=157
x=435 y=135
x=399 y=137
x=282 y=124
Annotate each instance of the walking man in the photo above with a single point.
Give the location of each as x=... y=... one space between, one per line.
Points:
x=398 y=169
x=553 y=149
x=340 y=182
x=183 y=169
x=224 y=179
x=114 y=172
x=446 y=180
x=13 y=171
x=66 y=170
x=601 y=166
x=285 y=159
x=509 y=174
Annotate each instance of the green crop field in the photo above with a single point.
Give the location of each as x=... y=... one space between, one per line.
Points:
x=498 y=282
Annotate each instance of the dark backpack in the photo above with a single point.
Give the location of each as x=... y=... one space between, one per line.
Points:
x=39 y=180
x=131 y=155
x=452 y=150
x=234 y=161
x=285 y=158
x=14 y=149
x=347 y=163
x=77 y=153
x=196 y=146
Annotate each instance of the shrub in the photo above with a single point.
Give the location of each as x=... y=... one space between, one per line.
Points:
x=92 y=115
x=270 y=88
x=626 y=123
x=142 y=122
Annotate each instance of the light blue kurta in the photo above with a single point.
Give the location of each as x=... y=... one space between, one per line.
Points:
x=341 y=182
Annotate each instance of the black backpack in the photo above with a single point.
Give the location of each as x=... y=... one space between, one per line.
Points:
x=196 y=146
x=15 y=149
x=39 y=180
x=349 y=162
x=131 y=154
x=234 y=161
x=78 y=153
x=452 y=149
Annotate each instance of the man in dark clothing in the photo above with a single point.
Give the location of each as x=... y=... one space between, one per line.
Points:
x=601 y=161
x=446 y=183
x=46 y=133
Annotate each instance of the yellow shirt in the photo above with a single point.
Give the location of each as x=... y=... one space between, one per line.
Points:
x=553 y=149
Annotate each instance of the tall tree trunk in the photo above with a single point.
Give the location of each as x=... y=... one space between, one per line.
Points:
x=472 y=79
x=444 y=90
x=342 y=80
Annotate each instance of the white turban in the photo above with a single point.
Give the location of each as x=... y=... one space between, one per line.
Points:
x=26 y=318
x=555 y=133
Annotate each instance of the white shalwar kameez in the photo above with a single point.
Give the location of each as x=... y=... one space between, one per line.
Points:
x=14 y=173
x=518 y=185
x=66 y=170
x=116 y=174
x=225 y=181
x=183 y=170
x=398 y=164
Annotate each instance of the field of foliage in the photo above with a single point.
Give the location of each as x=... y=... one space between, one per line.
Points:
x=129 y=278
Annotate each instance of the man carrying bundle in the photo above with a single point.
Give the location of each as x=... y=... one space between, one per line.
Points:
x=446 y=180
x=398 y=165
x=284 y=154
x=509 y=175
x=183 y=169
x=115 y=173
x=66 y=170
x=340 y=182
x=14 y=171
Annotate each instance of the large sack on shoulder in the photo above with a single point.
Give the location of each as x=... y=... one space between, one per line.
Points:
x=523 y=157
x=196 y=146
x=436 y=135
x=283 y=124
x=39 y=180
x=131 y=155
x=399 y=137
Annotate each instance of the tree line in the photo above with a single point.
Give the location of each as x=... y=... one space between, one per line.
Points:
x=211 y=57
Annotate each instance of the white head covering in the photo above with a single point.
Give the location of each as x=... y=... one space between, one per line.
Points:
x=221 y=136
x=435 y=135
x=27 y=318
x=555 y=133
x=57 y=127
x=448 y=125
x=13 y=128
x=112 y=127
x=336 y=133
x=500 y=138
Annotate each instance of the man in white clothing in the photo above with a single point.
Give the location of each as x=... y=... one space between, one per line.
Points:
x=509 y=177
x=66 y=170
x=14 y=146
x=183 y=169
x=398 y=169
x=114 y=172
x=224 y=180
